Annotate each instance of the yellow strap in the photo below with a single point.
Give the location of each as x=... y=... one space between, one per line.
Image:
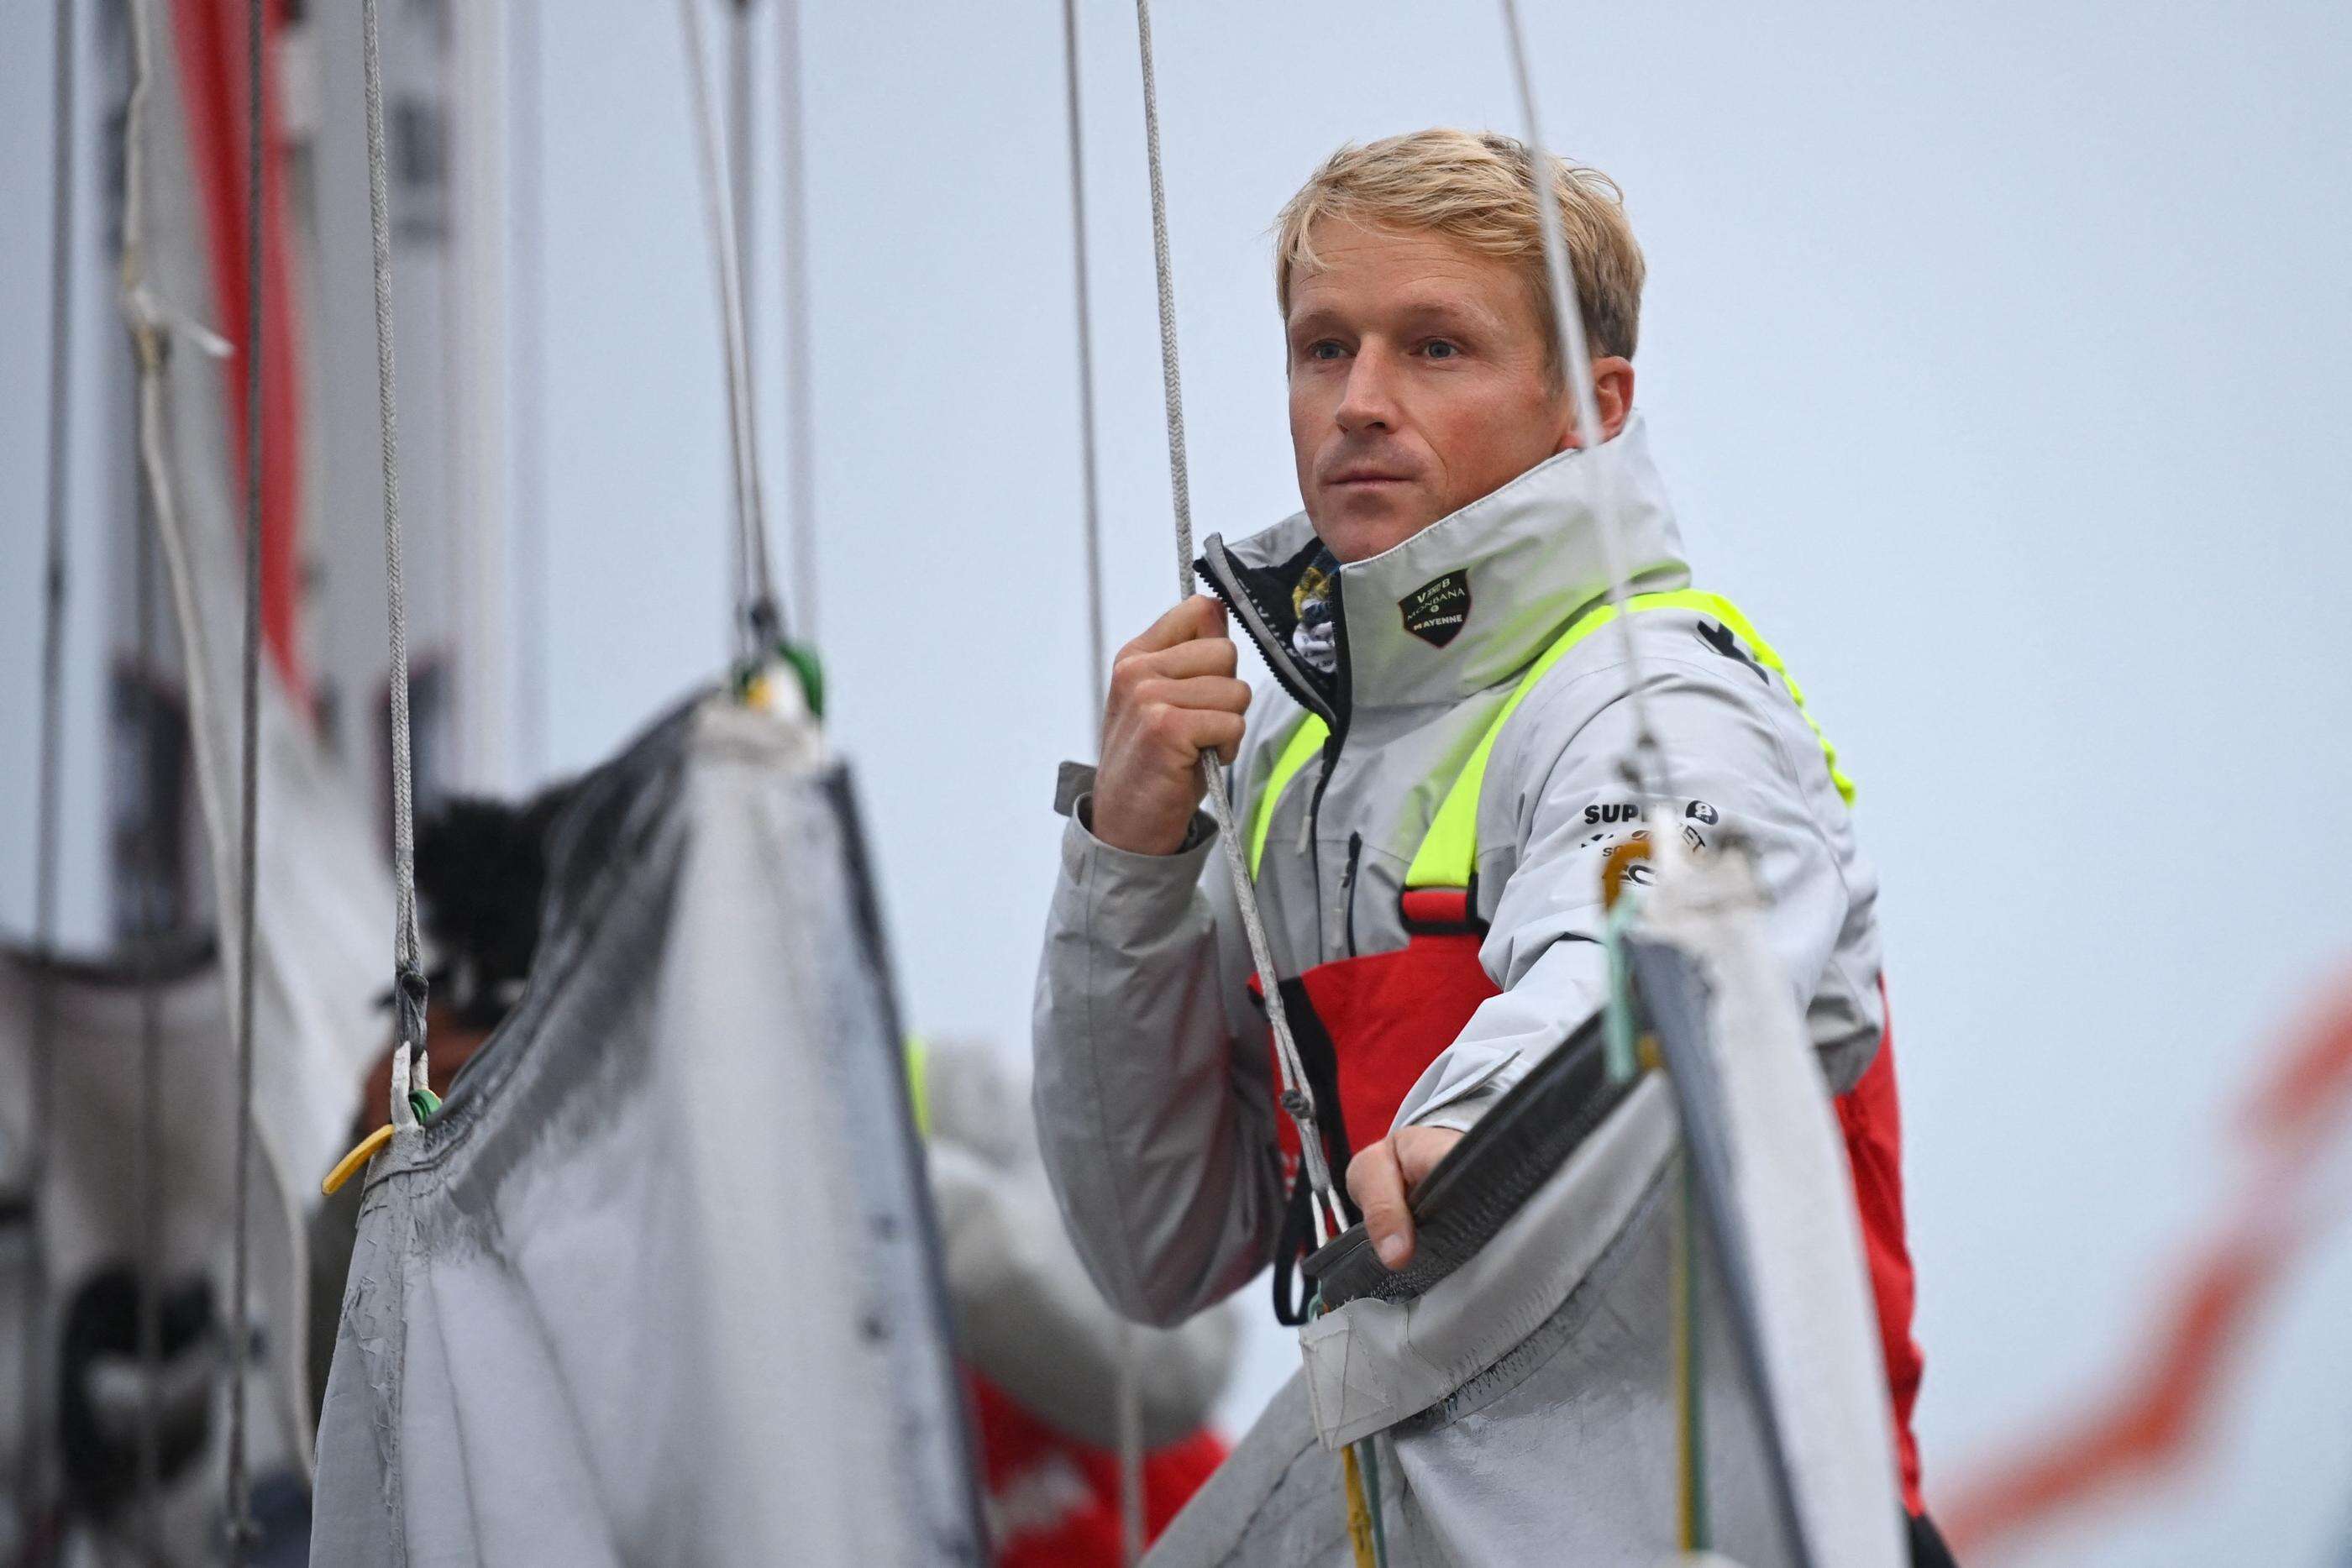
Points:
x=918 y=1083
x=1360 y=1513
x=1450 y=852
x=1296 y=752
x=348 y=1166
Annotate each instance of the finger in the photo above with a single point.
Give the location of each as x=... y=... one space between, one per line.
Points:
x=1377 y=1184
x=1180 y=734
x=1210 y=655
x=1418 y=1151
x=1196 y=730
x=1222 y=733
x=1220 y=693
x=1198 y=616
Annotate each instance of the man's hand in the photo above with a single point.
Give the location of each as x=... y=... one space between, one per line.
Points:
x=1384 y=1177
x=1173 y=696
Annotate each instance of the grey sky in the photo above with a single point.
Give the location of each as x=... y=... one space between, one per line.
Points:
x=1995 y=354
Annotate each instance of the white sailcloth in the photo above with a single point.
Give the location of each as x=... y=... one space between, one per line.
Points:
x=660 y=1282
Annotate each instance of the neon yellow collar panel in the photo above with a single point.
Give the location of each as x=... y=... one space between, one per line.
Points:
x=1449 y=852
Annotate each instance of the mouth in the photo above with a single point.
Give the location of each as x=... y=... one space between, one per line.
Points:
x=1365 y=480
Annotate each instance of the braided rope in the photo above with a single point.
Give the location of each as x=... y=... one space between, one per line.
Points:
x=1126 y=1396
x=1297 y=1098
x=1644 y=764
x=146 y=930
x=32 y=1467
x=800 y=397
x=249 y=780
x=408 y=961
x=755 y=579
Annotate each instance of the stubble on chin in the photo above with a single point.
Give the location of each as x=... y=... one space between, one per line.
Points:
x=1359 y=534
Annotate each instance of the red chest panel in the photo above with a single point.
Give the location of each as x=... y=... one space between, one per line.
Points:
x=1389 y=1016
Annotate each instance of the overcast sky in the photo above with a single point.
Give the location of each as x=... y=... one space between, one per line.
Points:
x=1995 y=355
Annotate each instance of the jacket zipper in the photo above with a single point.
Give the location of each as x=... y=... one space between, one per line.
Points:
x=1331 y=747
x=1216 y=567
x=1348 y=884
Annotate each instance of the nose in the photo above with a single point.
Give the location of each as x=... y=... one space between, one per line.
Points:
x=1369 y=402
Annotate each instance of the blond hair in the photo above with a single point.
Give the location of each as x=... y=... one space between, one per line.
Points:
x=1473 y=188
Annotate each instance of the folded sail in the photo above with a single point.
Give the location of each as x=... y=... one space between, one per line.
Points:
x=658 y=1283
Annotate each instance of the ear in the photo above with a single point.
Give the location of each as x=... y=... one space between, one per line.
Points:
x=1613 y=392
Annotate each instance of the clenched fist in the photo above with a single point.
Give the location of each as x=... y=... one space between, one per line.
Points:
x=1173 y=696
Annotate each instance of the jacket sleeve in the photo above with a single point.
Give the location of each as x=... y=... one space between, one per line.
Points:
x=1152 y=1094
x=1741 y=764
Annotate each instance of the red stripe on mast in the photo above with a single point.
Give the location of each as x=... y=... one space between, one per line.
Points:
x=210 y=36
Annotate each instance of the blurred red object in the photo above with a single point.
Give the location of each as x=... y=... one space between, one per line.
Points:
x=1053 y=1502
x=2153 y=1419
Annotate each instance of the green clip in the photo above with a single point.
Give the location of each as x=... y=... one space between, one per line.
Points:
x=805 y=664
x=811 y=670
x=1617 y=1016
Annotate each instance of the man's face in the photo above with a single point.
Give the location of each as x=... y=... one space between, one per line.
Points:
x=1419 y=381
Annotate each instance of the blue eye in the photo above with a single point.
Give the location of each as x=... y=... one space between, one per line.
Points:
x=1439 y=349
x=1325 y=349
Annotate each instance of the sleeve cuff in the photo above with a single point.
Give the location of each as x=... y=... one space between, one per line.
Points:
x=1460 y=1115
x=1133 y=894
x=1197 y=832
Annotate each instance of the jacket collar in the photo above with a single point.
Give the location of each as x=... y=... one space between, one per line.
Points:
x=1472 y=599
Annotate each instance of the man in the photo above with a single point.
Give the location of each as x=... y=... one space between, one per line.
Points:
x=1451 y=537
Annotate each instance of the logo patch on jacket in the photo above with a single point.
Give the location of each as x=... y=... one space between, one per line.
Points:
x=1720 y=639
x=1438 y=610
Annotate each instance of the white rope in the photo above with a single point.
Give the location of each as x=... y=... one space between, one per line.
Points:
x=153 y=324
x=147 y=931
x=1644 y=764
x=1127 y=1406
x=32 y=1467
x=527 y=399
x=408 y=961
x=1127 y=1398
x=739 y=151
x=249 y=781
x=800 y=396
x=1298 y=1096
x=1089 y=497
x=755 y=580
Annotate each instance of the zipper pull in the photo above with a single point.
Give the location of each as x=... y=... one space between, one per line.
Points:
x=1348 y=889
